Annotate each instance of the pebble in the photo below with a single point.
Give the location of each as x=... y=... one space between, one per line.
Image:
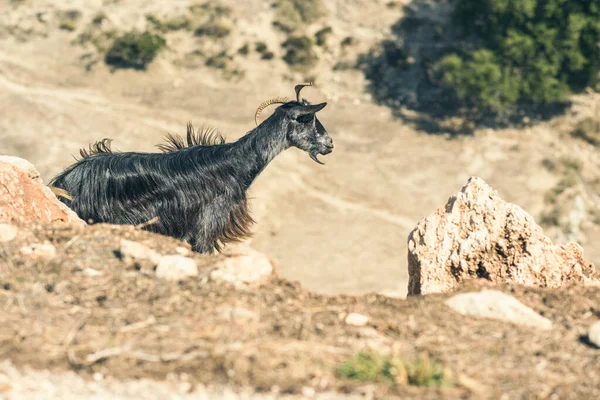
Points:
x=356 y=319
x=594 y=334
x=176 y=268
x=7 y=232
x=130 y=251
x=39 y=250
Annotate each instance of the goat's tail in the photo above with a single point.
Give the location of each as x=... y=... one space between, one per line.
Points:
x=58 y=192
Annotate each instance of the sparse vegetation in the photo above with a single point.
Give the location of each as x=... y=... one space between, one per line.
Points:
x=244 y=50
x=263 y=50
x=291 y=14
x=215 y=28
x=322 y=34
x=558 y=198
x=99 y=18
x=299 y=51
x=260 y=47
x=348 y=41
x=370 y=367
x=134 y=50
x=177 y=23
x=588 y=129
x=219 y=61
x=155 y=24
x=68 y=20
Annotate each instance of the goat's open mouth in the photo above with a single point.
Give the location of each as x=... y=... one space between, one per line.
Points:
x=313 y=154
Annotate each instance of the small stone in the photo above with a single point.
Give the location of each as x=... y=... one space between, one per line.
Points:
x=356 y=319
x=309 y=392
x=176 y=268
x=182 y=251
x=92 y=272
x=497 y=305
x=185 y=387
x=39 y=250
x=131 y=251
x=7 y=232
x=239 y=314
x=98 y=376
x=594 y=334
x=242 y=269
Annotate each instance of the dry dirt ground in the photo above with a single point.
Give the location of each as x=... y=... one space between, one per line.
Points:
x=86 y=310
x=338 y=229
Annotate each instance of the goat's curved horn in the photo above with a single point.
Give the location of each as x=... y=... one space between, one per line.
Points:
x=265 y=104
x=299 y=87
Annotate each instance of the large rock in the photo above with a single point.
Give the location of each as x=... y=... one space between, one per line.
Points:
x=479 y=235
x=24 y=197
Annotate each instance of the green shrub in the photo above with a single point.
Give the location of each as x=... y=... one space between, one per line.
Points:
x=588 y=129
x=322 y=34
x=370 y=367
x=290 y=14
x=299 y=51
x=134 y=50
x=68 y=20
x=244 y=50
x=215 y=28
x=532 y=52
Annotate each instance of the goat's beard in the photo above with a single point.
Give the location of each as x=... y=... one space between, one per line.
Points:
x=313 y=154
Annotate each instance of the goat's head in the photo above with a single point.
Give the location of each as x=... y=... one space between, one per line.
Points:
x=304 y=130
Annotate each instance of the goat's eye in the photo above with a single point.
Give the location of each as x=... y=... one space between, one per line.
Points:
x=305 y=119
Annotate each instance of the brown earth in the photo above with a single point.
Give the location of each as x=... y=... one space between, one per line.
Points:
x=88 y=311
x=339 y=228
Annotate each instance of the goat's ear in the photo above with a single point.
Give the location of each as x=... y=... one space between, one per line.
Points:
x=310 y=109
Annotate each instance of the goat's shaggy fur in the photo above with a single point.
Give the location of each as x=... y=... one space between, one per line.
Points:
x=196 y=186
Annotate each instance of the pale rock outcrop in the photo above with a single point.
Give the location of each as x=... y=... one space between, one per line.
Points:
x=497 y=305
x=479 y=235
x=25 y=198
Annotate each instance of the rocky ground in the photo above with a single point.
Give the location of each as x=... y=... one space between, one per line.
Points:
x=125 y=310
x=86 y=308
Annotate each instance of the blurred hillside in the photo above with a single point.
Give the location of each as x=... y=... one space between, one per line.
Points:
x=76 y=71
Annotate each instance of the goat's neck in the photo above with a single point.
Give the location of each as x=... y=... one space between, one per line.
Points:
x=259 y=147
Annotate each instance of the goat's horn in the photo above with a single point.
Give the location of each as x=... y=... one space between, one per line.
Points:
x=265 y=104
x=299 y=87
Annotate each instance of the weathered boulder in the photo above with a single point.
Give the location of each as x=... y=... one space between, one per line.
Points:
x=25 y=198
x=479 y=235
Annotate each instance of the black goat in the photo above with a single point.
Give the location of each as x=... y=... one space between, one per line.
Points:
x=197 y=189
